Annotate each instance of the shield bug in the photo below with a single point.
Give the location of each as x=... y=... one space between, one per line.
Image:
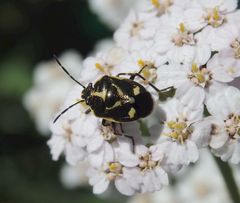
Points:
x=116 y=99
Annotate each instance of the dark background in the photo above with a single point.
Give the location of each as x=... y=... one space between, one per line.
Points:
x=32 y=31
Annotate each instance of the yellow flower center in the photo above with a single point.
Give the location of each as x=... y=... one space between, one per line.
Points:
x=104 y=68
x=179 y=130
x=108 y=133
x=163 y=6
x=232 y=126
x=200 y=75
x=146 y=162
x=113 y=170
x=149 y=72
x=214 y=17
x=156 y=3
x=236 y=47
x=183 y=36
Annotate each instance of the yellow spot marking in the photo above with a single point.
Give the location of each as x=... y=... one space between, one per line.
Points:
x=182 y=27
x=156 y=3
x=132 y=113
x=100 y=94
x=118 y=103
x=136 y=90
x=120 y=92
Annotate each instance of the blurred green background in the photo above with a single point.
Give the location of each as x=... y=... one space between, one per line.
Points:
x=32 y=31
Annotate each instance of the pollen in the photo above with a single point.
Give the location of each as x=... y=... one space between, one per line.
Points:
x=214 y=17
x=149 y=72
x=146 y=162
x=141 y=63
x=115 y=167
x=99 y=67
x=113 y=170
x=183 y=36
x=236 y=48
x=182 y=27
x=179 y=130
x=105 y=68
x=194 y=68
x=232 y=126
x=156 y=3
x=200 y=75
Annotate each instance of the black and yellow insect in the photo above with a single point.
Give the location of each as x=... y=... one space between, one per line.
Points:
x=116 y=99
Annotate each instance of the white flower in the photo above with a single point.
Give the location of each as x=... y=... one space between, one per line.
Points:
x=137 y=31
x=166 y=195
x=112 y=171
x=74 y=176
x=195 y=185
x=63 y=140
x=178 y=42
x=214 y=15
x=227 y=38
x=111 y=12
x=194 y=82
x=136 y=60
x=225 y=110
x=192 y=45
x=148 y=166
x=51 y=85
x=101 y=139
x=161 y=7
x=106 y=62
x=66 y=138
x=224 y=66
x=183 y=133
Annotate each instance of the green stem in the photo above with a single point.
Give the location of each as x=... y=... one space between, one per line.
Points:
x=228 y=177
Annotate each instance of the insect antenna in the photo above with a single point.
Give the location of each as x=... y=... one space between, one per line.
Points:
x=65 y=70
x=65 y=110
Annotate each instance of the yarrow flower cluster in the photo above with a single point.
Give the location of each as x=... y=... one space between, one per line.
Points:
x=49 y=89
x=193 y=46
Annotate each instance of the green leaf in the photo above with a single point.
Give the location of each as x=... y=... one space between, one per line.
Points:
x=166 y=93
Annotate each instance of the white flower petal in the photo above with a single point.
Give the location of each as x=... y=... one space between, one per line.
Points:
x=162 y=175
x=101 y=186
x=123 y=187
x=235 y=159
x=191 y=96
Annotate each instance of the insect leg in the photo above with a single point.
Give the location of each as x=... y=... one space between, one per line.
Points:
x=163 y=93
x=87 y=111
x=140 y=76
x=105 y=123
x=132 y=140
